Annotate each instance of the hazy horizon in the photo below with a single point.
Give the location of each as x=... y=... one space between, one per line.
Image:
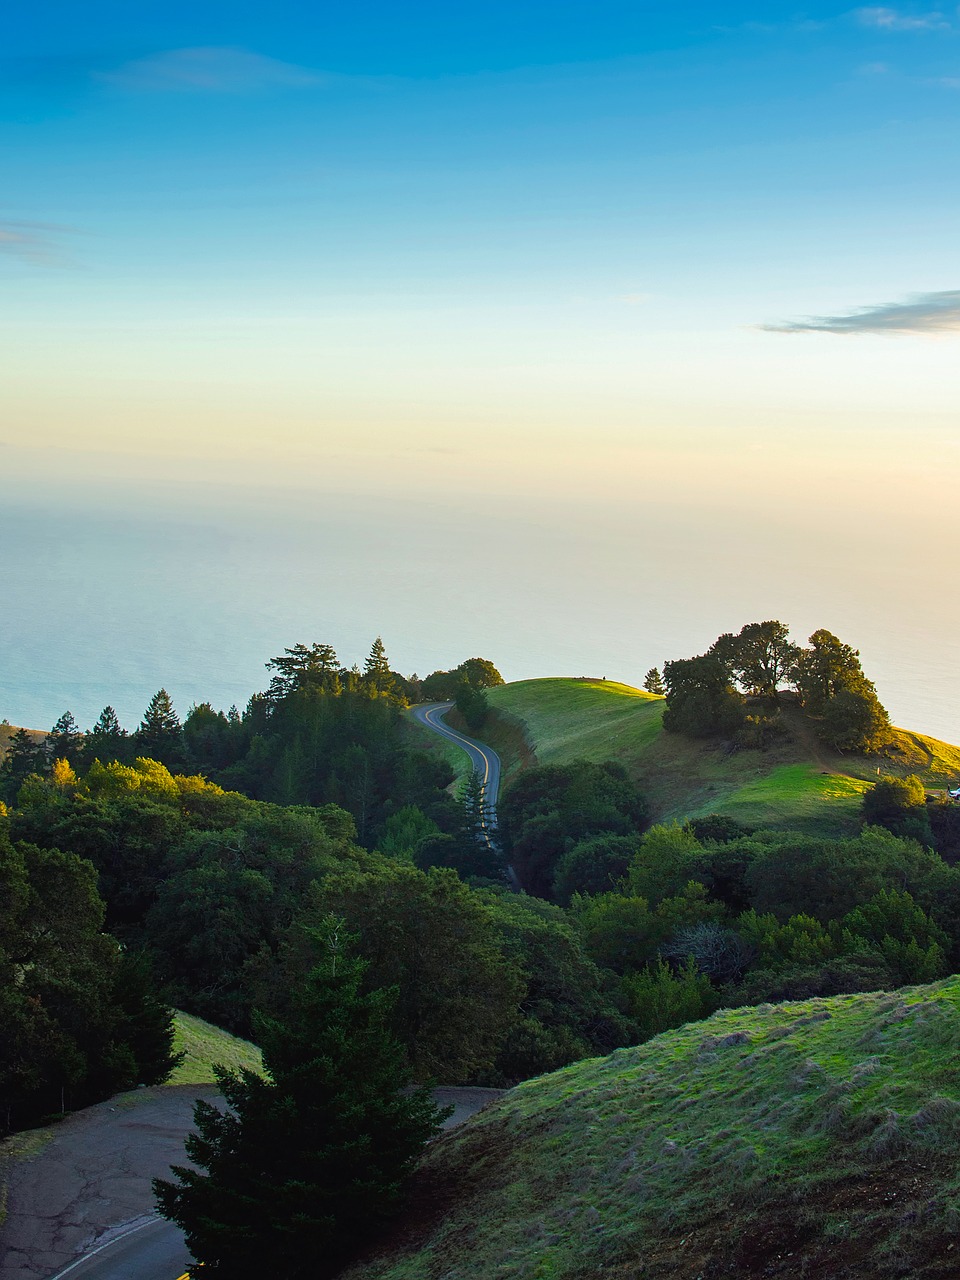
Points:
x=570 y=336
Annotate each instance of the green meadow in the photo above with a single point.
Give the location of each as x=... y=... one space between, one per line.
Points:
x=796 y=783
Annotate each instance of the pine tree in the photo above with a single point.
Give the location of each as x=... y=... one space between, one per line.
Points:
x=307 y=1166
x=65 y=740
x=24 y=756
x=160 y=736
x=376 y=669
x=653 y=682
x=105 y=741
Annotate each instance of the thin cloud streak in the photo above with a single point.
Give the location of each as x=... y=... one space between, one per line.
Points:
x=893 y=20
x=924 y=313
x=208 y=69
x=33 y=242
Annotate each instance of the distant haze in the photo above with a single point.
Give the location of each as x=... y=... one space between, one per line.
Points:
x=567 y=335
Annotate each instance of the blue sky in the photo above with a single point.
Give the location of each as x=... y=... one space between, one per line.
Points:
x=550 y=255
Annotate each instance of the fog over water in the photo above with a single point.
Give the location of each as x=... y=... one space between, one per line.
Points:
x=194 y=588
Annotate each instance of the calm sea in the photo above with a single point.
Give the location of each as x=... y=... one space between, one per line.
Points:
x=196 y=592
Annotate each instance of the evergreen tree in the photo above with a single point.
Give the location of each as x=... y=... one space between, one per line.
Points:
x=160 y=736
x=105 y=741
x=306 y=1167
x=65 y=740
x=24 y=756
x=653 y=682
x=376 y=669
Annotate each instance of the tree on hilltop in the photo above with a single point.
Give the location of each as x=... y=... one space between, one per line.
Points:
x=760 y=657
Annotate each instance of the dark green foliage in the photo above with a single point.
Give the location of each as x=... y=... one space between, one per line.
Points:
x=478 y=673
x=594 y=865
x=308 y=1166
x=65 y=741
x=79 y=1022
x=760 y=658
x=106 y=741
x=471 y=702
x=793 y=874
x=160 y=736
x=376 y=670
x=552 y=808
x=433 y=937
x=717 y=828
x=24 y=756
x=841 y=976
x=835 y=691
x=570 y=1008
x=899 y=805
x=701 y=700
x=944 y=819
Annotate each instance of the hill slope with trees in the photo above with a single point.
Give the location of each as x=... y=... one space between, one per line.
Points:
x=793 y=781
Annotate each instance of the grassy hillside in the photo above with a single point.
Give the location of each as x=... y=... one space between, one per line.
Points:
x=797 y=783
x=820 y=1138
x=205 y=1044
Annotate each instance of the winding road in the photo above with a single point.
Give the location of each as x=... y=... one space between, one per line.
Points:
x=486 y=765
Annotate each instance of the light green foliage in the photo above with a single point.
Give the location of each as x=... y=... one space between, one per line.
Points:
x=664 y=862
x=659 y=998
x=801 y=940
x=910 y=942
x=752 y=1114
x=403 y=831
x=622 y=932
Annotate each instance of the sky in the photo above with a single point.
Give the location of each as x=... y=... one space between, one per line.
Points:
x=654 y=306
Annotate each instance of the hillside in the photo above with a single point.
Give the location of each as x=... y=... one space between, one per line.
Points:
x=203 y=1045
x=820 y=1138
x=796 y=783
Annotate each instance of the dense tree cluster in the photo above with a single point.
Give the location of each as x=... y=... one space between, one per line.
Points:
x=734 y=689
x=552 y=810
x=80 y=1015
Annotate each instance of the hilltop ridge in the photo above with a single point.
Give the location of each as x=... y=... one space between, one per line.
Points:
x=795 y=783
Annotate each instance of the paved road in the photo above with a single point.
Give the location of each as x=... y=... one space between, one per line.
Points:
x=486 y=765
x=486 y=762
x=149 y=1250
x=153 y=1249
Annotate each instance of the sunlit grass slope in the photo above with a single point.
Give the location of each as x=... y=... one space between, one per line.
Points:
x=820 y=1138
x=205 y=1044
x=797 y=783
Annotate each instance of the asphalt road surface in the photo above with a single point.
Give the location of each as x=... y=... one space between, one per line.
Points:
x=486 y=763
x=150 y=1250
x=79 y=1197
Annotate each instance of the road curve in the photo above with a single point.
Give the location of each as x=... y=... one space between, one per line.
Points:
x=485 y=761
x=152 y=1249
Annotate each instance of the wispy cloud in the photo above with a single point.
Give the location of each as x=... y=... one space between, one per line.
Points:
x=208 y=69
x=35 y=242
x=896 y=20
x=923 y=313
